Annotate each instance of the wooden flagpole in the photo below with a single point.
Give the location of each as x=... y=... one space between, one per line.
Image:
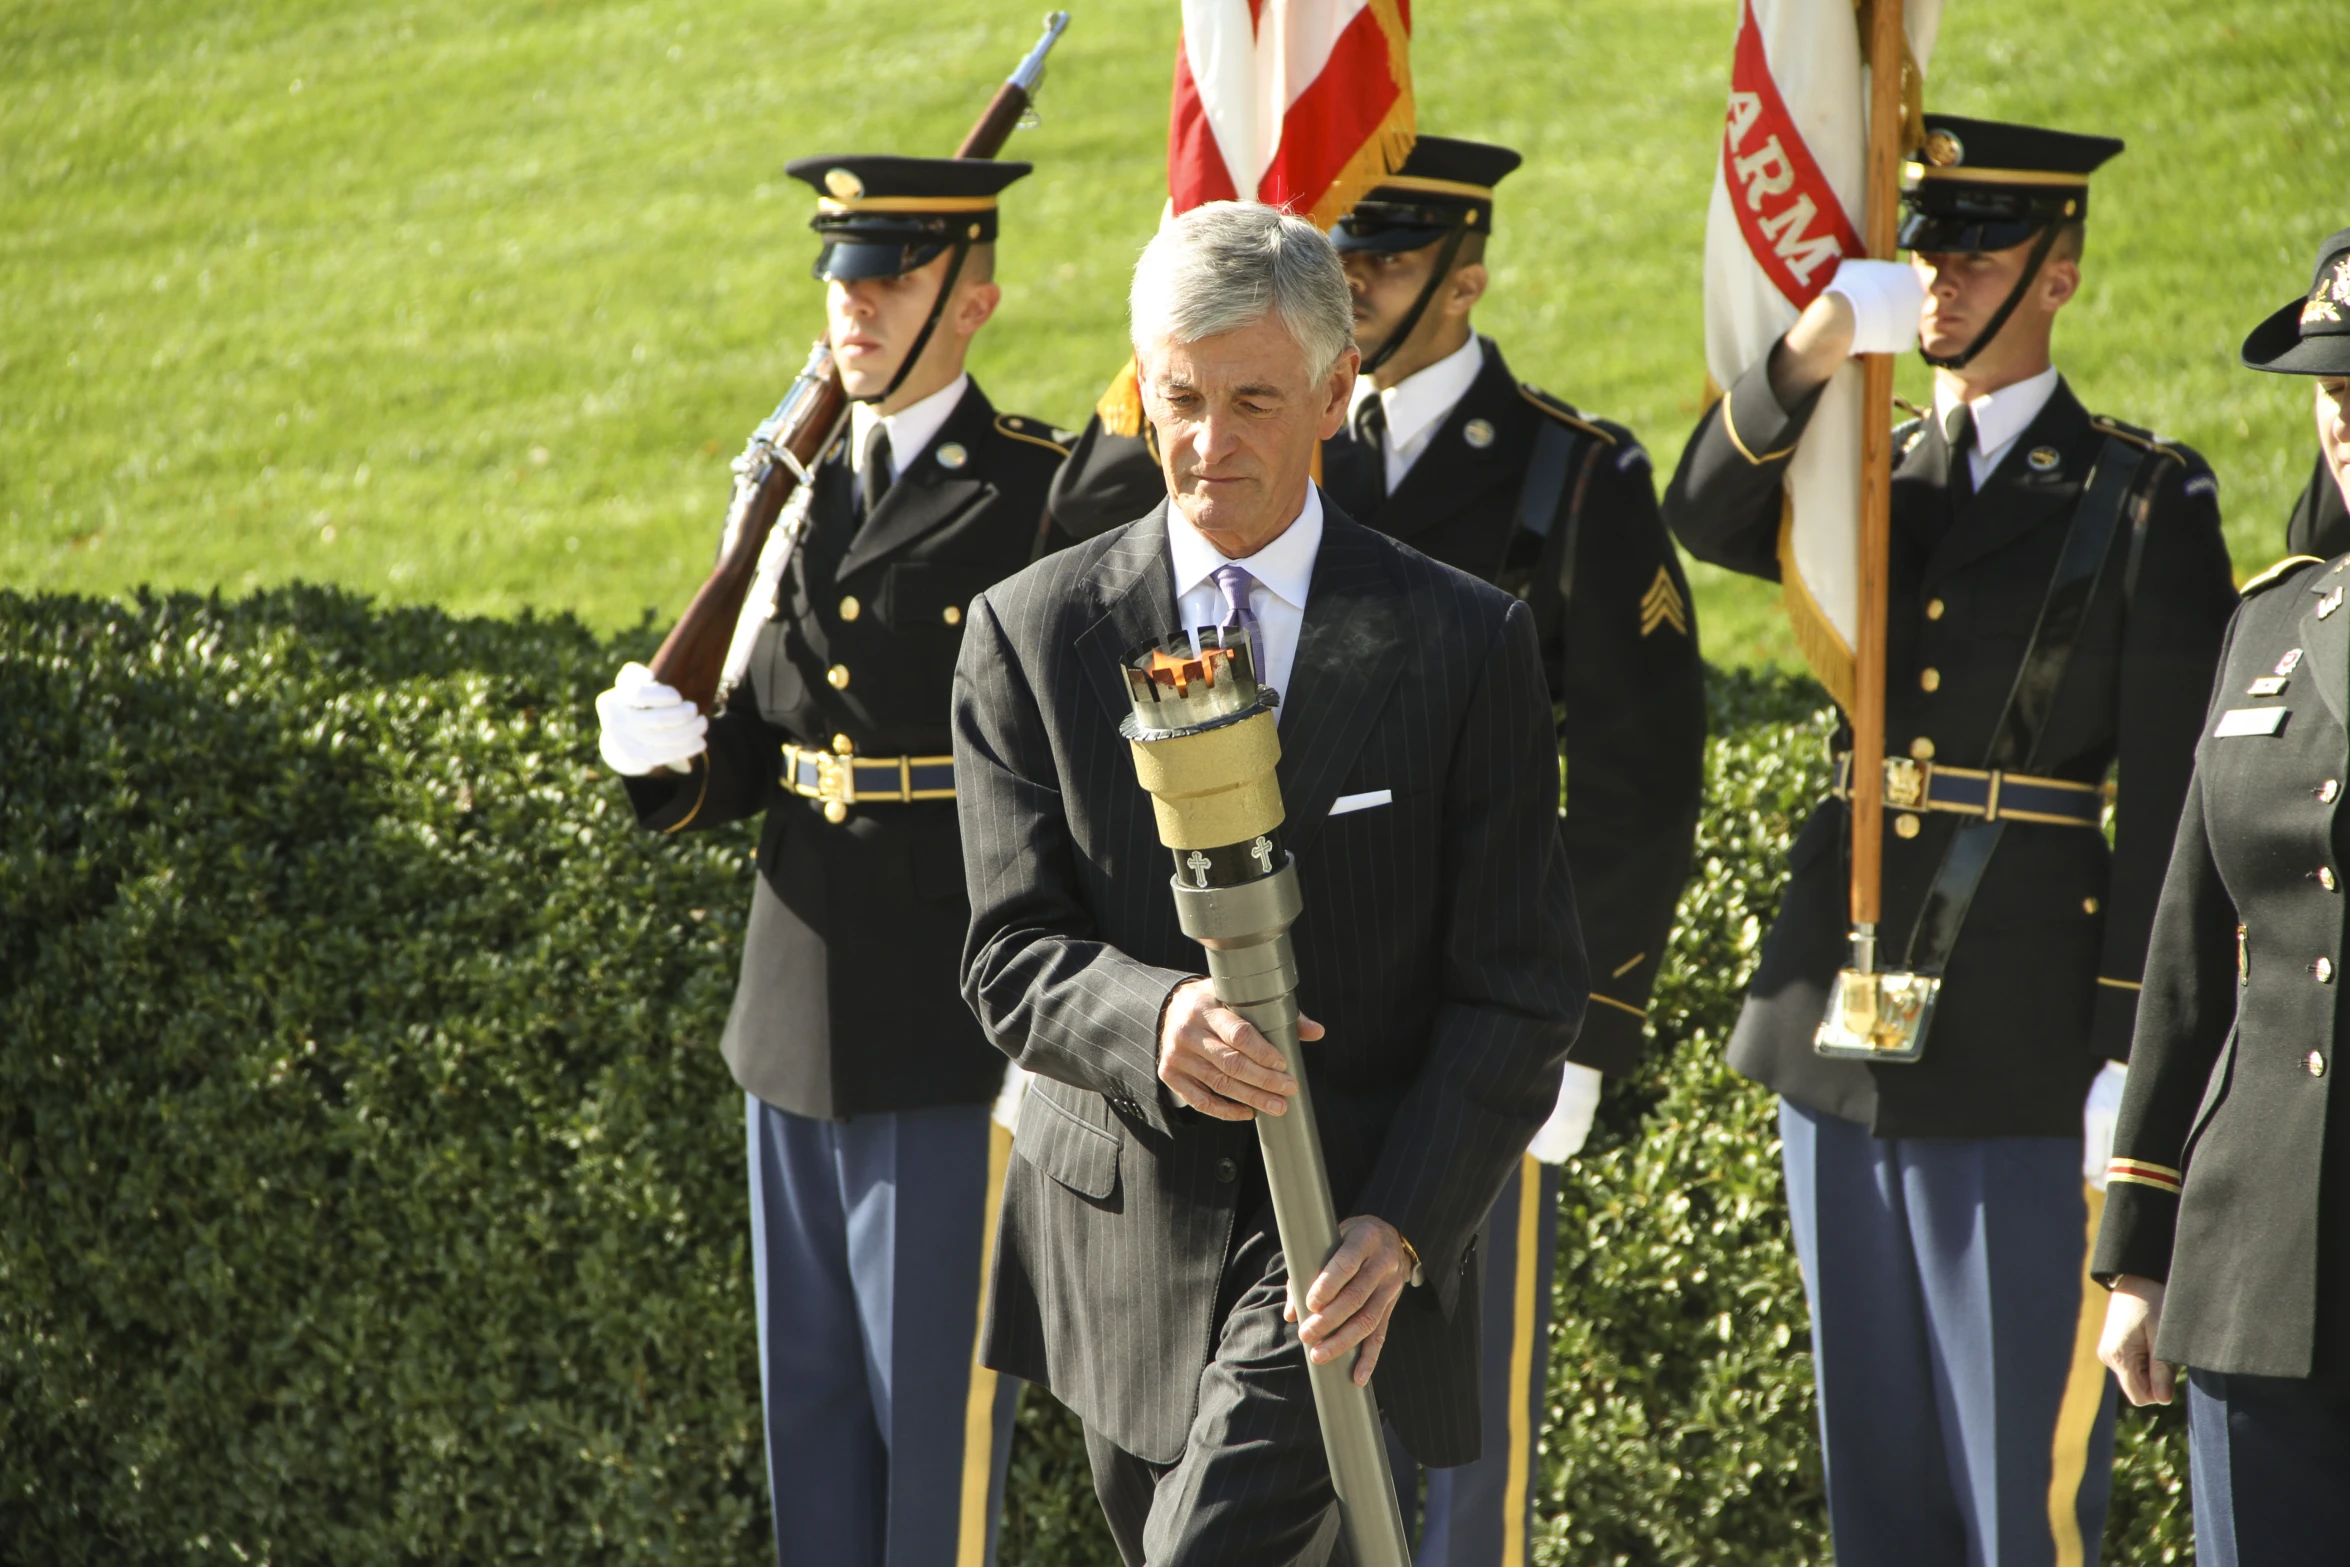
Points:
x=1876 y=495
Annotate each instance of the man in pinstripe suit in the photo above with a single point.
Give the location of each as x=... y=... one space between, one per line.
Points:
x=1138 y=1274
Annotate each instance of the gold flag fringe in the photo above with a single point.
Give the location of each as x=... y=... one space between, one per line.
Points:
x=1121 y=402
x=1822 y=646
x=1383 y=151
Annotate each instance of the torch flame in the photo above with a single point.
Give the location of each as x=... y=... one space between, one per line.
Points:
x=1172 y=669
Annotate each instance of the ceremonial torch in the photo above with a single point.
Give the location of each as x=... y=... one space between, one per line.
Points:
x=1205 y=746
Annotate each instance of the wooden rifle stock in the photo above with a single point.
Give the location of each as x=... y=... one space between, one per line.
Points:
x=784 y=451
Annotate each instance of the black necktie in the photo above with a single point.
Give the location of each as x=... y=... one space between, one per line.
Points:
x=1959 y=426
x=876 y=475
x=1371 y=431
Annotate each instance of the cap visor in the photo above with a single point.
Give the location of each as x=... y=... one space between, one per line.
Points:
x=1961 y=236
x=846 y=263
x=1386 y=241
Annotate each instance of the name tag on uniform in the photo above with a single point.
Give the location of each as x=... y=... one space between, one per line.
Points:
x=2250 y=721
x=1361 y=802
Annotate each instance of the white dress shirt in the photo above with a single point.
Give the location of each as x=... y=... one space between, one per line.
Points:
x=910 y=429
x=2000 y=417
x=1416 y=405
x=1283 y=569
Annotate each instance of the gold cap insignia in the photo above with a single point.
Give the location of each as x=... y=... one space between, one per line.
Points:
x=2331 y=294
x=952 y=455
x=1944 y=149
x=2043 y=459
x=843 y=185
x=1478 y=433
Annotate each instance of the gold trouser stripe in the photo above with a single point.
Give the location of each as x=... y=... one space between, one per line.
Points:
x=979 y=1408
x=2076 y=1417
x=1522 y=1348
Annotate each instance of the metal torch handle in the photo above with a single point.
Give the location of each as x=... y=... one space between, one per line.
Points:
x=1253 y=970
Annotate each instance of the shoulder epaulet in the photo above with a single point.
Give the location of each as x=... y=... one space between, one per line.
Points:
x=1566 y=413
x=2160 y=445
x=1905 y=435
x=1035 y=432
x=2278 y=573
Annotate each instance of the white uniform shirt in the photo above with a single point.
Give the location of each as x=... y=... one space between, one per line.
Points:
x=1284 y=569
x=1417 y=405
x=910 y=429
x=2001 y=417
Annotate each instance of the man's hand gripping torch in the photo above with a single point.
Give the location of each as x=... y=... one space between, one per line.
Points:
x=1205 y=747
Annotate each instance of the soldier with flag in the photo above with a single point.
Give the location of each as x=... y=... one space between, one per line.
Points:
x=2054 y=596
x=1448 y=451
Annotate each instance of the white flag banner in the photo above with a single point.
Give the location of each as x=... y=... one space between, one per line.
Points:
x=1788 y=202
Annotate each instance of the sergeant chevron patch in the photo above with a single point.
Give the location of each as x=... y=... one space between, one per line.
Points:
x=1662 y=605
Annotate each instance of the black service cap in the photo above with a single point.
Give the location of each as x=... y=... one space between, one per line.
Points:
x=879 y=216
x=2310 y=336
x=1443 y=185
x=1984 y=185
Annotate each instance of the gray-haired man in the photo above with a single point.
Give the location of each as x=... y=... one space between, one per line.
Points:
x=1138 y=1274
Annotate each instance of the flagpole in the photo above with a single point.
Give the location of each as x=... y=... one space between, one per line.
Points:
x=1876 y=502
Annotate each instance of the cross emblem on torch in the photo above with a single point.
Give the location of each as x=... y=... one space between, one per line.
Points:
x=1262 y=852
x=1199 y=864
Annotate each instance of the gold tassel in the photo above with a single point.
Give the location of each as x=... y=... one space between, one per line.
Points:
x=1121 y=402
x=1816 y=637
x=1384 y=150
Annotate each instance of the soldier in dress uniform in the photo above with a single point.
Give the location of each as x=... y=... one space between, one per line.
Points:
x=2227 y=1229
x=875 y=1170
x=1448 y=451
x=2058 y=590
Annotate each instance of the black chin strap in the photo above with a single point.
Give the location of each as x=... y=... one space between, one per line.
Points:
x=2015 y=297
x=1411 y=317
x=938 y=306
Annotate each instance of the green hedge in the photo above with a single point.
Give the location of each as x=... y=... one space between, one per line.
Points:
x=370 y=1192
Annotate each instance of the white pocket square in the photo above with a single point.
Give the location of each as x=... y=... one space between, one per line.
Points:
x=1361 y=802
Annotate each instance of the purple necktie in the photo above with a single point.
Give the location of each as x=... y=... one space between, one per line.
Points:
x=1234 y=582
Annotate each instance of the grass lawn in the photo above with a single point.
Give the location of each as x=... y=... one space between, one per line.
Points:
x=470 y=303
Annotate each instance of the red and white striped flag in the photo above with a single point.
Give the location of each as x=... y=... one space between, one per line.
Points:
x=1787 y=207
x=1300 y=104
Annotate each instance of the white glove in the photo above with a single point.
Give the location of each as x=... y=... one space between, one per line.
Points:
x=1886 y=300
x=1007 y=1102
x=647 y=725
x=1561 y=1137
x=2098 y=1117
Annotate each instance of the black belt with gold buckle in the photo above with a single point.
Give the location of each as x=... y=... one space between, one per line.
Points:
x=841 y=779
x=1991 y=796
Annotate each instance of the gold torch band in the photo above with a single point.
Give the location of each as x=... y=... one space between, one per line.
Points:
x=1215 y=787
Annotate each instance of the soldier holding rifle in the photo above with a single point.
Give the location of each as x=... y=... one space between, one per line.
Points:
x=874 y=1166
x=2057 y=591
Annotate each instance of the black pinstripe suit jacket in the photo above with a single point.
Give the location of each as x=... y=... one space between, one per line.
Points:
x=1439 y=945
